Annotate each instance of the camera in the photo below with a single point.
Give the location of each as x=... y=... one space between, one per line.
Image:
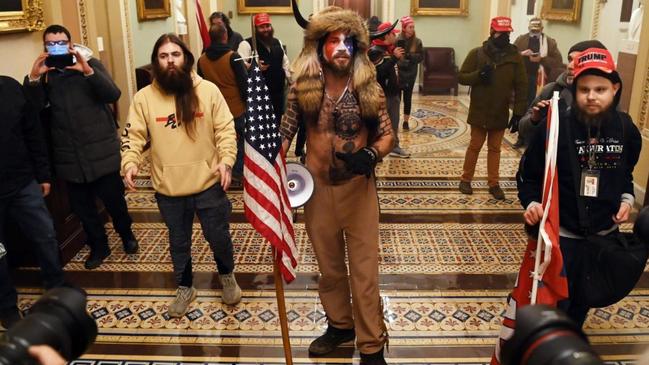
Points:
x=546 y=336
x=401 y=43
x=58 y=319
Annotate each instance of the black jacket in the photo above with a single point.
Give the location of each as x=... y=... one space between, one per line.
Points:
x=22 y=142
x=616 y=158
x=386 y=74
x=84 y=133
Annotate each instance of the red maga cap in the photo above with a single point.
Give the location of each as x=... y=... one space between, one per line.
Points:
x=385 y=25
x=594 y=58
x=502 y=24
x=261 y=19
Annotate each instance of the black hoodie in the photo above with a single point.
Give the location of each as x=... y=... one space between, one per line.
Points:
x=617 y=152
x=22 y=142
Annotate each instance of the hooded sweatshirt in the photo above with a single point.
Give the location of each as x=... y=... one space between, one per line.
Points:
x=180 y=166
x=616 y=153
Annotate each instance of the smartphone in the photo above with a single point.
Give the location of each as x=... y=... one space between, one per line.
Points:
x=60 y=61
x=401 y=43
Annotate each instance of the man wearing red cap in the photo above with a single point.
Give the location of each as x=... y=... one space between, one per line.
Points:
x=385 y=55
x=599 y=147
x=493 y=71
x=273 y=61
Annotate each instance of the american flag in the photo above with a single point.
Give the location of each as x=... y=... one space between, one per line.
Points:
x=541 y=278
x=265 y=193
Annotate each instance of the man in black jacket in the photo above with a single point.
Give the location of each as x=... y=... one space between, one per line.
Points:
x=606 y=144
x=84 y=138
x=24 y=181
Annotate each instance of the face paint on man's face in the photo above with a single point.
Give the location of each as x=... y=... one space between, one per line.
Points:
x=338 y=44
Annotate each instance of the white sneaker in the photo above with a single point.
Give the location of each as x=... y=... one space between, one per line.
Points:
x=399 y=152
x=231 y=290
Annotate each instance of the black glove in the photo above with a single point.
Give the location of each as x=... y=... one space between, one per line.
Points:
x=513 y=123
x=361 y=162
x=485 y=74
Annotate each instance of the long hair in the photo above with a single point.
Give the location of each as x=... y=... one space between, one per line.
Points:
x=187 y=103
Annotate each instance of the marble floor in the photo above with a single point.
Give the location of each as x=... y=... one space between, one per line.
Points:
x=447 y=260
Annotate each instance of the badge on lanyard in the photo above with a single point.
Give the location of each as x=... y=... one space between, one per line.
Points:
x=589 y=183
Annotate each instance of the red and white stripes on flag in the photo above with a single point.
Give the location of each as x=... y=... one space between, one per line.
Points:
x=265 y=193
x=541 y=278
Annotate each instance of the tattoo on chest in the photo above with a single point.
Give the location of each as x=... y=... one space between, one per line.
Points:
x=347 y=121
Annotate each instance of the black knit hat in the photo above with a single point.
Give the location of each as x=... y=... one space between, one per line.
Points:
x=584 y=45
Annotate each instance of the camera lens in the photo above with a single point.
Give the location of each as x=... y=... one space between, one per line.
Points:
x=544 y=336
x=58 y=319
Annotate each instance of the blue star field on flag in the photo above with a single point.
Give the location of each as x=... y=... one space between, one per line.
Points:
x=262 y=128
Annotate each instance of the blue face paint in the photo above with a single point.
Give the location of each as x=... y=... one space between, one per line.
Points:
x=57 y=48
x=349 y=44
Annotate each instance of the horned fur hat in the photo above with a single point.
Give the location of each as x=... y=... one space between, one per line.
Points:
x=307 y=67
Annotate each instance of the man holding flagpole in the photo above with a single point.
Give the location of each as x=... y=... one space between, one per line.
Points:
x=347 y=132
x=606 y=144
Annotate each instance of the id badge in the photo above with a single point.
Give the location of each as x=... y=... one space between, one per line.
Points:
x=589 y=183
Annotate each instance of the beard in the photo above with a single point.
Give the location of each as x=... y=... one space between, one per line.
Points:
x=338 y=69
x=593 y=120
x=266 y=37
x=173 y=80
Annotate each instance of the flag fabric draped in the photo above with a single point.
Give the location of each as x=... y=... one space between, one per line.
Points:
x=265 y=192
x=202 y=26
x=541 y=278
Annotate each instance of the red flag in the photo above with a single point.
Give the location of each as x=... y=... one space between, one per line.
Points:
x=265 y=192
x=541 y=278
x=202 y=26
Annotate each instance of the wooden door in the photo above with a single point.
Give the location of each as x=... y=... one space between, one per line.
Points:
x=363 y=7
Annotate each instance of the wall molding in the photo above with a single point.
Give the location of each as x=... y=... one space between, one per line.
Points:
x=597 y=10
x=83 y=21
x=128 y=42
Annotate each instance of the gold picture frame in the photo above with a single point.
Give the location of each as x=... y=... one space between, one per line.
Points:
x=439 y=7
x=265 y=6
x=561 y=10
x=153 y=10
x=27 y=16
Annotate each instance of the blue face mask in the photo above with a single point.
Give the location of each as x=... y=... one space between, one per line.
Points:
x=57 y=49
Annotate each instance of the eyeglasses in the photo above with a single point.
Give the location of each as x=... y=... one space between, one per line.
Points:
x=57 y=43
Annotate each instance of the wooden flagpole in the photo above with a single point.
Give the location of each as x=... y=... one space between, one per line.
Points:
x=279 y=281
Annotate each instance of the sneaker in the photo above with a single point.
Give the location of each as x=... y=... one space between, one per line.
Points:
x=497 y=192
x=373 y=359
x=406 y=126
x=9 y=317
x=399 y=152
x=130 y=244
x=231 y=290
x=330 y=340
x=96 y=258
x=465 y=187
x=184 y=297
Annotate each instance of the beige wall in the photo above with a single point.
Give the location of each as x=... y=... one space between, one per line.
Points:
x=146 y=33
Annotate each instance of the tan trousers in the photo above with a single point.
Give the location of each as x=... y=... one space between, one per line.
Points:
x=494 y=141
x=347 y=216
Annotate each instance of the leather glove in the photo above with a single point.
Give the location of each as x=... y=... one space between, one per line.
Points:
x=361 y=162
x=513 y=123
x=485 y=74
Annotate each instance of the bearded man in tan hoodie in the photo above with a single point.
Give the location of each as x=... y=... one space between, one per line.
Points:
x=193 y=148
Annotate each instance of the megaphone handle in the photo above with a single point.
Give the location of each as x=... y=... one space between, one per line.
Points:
x=294 y=215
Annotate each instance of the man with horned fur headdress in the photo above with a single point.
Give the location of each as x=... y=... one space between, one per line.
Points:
x=348 y=130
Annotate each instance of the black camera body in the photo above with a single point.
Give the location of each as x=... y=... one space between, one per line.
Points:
x=58 y=319
x=401 y=43
x=60 y=61
x=546 y=336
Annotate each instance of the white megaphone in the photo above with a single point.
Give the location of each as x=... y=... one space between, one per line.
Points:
x=300 y=184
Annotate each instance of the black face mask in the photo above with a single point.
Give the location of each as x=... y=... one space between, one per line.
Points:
x=502 y=41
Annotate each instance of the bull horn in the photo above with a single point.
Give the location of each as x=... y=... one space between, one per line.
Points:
x=298 y=16
x=376 y=35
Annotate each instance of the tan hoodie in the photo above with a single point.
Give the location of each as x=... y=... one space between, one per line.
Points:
x=179 y=166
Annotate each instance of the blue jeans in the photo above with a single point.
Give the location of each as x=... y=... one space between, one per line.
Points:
x=213 y=209
x=27 y=208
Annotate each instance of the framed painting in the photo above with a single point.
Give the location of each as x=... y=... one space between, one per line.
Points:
x=21 y=15
x=153 y=9
x=264 y=6
x=561 y=10
x=439 y=7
